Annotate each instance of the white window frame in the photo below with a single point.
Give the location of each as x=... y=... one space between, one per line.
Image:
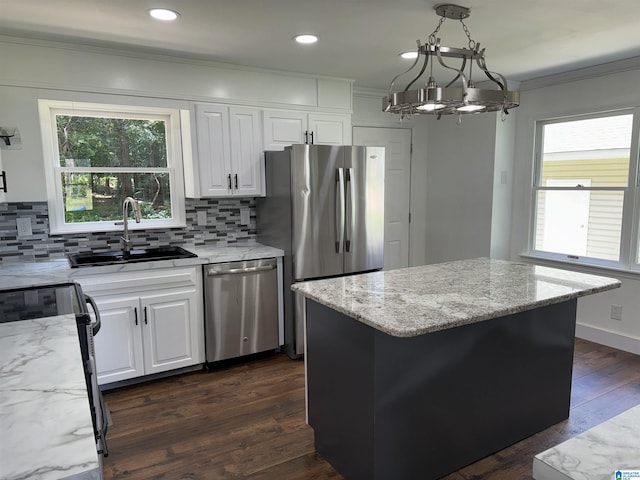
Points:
x=48 y=109
x=629 y=254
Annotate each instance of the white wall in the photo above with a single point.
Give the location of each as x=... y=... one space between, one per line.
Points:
x=367 y=112
x=598 y=93
x=35 y=69
x=468 y=207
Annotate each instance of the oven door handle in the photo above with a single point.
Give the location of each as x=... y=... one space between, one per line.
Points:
x=95 y=326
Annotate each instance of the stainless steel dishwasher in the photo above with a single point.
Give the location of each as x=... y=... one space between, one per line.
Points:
x=241 y=308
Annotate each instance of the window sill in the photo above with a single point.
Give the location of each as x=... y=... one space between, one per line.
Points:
x=582 y=267
x=108 y=227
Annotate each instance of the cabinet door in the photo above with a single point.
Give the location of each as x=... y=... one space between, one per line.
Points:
x=172 y=330
x=214 y=155
x=330 y=129
x=247 y=159
x=283 y=128
x=118 y=344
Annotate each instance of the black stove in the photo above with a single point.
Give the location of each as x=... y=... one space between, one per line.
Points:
x=30 y=303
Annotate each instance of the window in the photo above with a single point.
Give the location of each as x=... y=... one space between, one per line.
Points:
x=96 y=155
x=585 y=190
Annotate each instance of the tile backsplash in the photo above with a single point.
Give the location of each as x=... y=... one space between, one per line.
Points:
x=223 y=227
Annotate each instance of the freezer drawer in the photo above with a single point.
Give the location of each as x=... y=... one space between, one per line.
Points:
x=241 y=308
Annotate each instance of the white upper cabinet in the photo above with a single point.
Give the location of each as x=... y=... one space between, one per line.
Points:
x=247 y=159
x=330 y=129
x=229 y=154
x=284 y=127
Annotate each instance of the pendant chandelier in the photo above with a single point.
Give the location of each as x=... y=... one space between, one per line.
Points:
x=460 y=95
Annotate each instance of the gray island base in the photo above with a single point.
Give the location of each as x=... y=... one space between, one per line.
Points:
x=394 y=398
x=390 y=408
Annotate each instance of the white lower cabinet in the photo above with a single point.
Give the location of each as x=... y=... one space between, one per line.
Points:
x=147 y=330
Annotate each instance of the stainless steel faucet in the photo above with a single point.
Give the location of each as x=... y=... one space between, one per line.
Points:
x=125 y=241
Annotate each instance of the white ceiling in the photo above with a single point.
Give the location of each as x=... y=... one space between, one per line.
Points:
x=359 y=39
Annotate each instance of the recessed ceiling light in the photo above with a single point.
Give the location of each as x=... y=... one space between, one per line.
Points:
x=305 y=38
x=163 y=14
x=409 y=55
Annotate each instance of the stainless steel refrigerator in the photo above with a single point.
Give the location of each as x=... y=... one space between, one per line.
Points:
x=324 y=207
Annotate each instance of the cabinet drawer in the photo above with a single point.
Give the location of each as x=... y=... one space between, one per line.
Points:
x=124 y=282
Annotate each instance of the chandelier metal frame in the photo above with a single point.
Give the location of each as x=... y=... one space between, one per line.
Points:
x=460 y=95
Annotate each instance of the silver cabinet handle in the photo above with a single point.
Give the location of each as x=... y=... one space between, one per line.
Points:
x=264 y=268
x=236 y=180
x=135 y=314
x=145 y=316
x=3 y=175
x=229 y=181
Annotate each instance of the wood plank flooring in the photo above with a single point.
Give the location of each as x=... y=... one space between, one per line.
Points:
x=246 y=422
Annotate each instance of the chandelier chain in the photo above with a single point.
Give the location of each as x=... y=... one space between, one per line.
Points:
x=432 y=37
x=472 y=43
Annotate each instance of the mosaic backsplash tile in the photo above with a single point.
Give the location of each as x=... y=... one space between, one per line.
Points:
x=223 y=227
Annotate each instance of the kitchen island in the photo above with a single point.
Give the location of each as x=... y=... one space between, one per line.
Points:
x=414 y=373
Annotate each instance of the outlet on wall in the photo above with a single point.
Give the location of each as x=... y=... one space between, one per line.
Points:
x=616 y=312
x=24 y=227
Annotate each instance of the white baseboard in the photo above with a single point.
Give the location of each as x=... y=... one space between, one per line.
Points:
x=610 y=339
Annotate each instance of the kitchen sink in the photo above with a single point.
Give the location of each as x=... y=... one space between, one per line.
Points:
x=91 y=259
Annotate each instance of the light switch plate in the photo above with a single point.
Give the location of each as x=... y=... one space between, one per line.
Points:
x=24 y=227
x=202 y=218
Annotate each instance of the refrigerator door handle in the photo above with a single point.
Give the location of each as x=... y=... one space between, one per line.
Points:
x=349 y=186
x=339 y=209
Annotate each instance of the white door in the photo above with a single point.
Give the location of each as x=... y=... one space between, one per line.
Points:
x=170 y=340
x=118 y=344
x=397 y=195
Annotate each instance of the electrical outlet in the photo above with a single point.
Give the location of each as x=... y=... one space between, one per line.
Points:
x=616 y=312
x=202 y=218
x=24 y=227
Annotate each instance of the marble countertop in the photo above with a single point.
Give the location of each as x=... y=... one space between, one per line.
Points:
x=413 y=301
x=29 y=274
x=595 y=454
x=44 y=409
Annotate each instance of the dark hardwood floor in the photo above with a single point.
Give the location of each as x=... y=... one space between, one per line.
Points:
x=246 y=421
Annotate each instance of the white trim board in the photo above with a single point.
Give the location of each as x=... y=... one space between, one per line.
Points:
x=610 y=339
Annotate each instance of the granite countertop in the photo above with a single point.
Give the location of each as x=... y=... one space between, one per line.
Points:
x=45 y=418
x=595 y=454
x=29 y=274
x=413 y=301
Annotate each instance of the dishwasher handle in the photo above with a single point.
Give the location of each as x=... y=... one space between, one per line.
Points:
x=263 y=268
